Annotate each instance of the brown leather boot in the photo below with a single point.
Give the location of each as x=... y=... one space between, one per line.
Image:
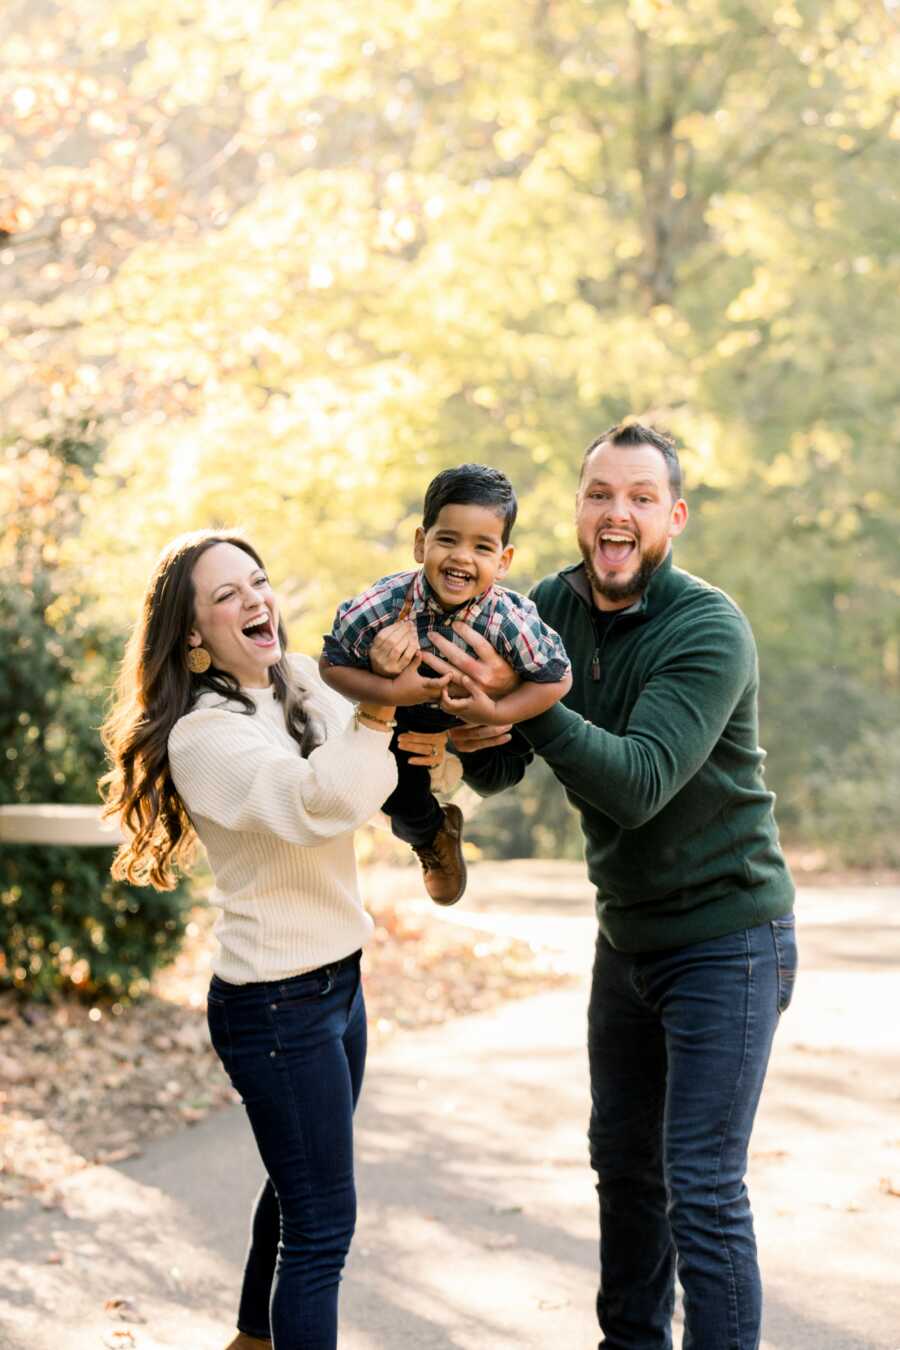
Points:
x=244 y=1342
x=442 y=860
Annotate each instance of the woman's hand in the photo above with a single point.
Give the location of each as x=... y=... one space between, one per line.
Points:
x=487 y=667
x=394 y=648
x=427 y=747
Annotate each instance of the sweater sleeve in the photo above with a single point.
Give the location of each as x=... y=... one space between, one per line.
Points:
x=490 y=771
x=676 y=722
x=225 y=770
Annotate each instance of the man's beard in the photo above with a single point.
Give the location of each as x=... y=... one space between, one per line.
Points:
x=622 y=588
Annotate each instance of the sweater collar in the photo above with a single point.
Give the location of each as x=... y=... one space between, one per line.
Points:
x=655 y=597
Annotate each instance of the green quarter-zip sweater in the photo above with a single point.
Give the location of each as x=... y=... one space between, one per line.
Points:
x=657 y=748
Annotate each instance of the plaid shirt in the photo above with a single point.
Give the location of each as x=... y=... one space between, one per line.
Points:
x=509 y=621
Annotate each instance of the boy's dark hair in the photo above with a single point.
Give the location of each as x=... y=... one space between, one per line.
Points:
x=471 y=485
x=635 y=433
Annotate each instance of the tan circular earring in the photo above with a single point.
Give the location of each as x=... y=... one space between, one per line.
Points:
x=198 y=660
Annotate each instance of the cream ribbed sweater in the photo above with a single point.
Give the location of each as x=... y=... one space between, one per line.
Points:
x=278 y=829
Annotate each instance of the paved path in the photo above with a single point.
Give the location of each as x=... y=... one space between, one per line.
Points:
x=477 y=1223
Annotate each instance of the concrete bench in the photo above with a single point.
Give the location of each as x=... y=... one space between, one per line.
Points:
x=78 y=825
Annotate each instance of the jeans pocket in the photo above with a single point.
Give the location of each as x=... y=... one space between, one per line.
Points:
x=784 y=936
x=219 y=1030
x=302 y=989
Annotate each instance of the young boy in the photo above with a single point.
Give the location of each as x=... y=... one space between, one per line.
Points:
x=463 y=548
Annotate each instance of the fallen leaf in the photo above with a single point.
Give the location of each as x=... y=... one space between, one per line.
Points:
x=117 y=1155
x=191 y=1115
x=123 y=1310
x=114 y=1340
x=13 y=1071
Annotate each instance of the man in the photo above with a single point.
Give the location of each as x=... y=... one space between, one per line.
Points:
x=656 y=747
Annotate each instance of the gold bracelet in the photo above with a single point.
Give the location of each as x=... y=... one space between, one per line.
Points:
x=358 y=715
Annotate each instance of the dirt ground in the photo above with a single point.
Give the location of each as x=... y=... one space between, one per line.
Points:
x=478 y=1224
x=83 y=1085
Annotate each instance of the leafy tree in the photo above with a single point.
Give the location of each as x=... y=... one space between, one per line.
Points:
x=534 y=821
x=63 y=921
x=380 y=242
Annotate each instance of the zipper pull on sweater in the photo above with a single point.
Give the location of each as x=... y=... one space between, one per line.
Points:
x=595 y=664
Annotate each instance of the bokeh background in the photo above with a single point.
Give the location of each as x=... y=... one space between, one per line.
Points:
x=276 y=262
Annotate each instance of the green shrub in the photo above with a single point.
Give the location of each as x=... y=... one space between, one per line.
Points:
x=533 y=820
x=849 y=805
x=64 y=923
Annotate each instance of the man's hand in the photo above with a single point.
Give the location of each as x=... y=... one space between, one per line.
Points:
x=487 y=667
x=426 y=747
x=466 y=740
x=394 y=648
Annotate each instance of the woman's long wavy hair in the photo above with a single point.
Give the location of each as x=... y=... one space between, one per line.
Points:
x=153 y=690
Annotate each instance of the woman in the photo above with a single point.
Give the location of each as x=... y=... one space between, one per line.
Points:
x=217 y=733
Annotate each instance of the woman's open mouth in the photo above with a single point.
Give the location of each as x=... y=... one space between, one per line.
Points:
x=615 y=547
x=260 y=632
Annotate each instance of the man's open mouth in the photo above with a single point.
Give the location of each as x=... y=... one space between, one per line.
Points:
x=260 y=632
x=615 y=547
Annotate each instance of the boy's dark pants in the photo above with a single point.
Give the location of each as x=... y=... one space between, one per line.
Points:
x=416 y=815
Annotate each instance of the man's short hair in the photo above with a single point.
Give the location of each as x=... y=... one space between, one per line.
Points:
x=471 y=485
x=635 y=433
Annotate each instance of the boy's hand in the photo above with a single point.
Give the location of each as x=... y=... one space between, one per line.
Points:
x=487 y=667
x=394 y=648
x=409 y=687
x=476 y=707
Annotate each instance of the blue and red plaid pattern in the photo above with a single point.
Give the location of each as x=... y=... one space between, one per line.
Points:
x=509 y=621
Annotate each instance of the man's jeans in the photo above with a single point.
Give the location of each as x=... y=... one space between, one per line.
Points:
x=295 y=1050
x=678 y=1044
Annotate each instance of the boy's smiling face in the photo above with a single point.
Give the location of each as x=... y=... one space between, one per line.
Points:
x=463 y=552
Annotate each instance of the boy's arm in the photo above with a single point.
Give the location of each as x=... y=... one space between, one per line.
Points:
x=402 y=691
x=528 y=700
x=356 y=684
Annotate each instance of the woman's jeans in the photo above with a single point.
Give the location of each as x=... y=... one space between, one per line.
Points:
x=295 y=1050
x=678 y=1045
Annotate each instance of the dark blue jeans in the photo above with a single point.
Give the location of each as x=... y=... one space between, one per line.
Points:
x=678 y=1044
x=295 y=1050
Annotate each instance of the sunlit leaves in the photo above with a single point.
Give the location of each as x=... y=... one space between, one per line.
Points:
x=300 y=256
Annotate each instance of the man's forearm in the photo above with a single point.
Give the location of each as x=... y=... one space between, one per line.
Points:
x=491 y=771
x=672 y=729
